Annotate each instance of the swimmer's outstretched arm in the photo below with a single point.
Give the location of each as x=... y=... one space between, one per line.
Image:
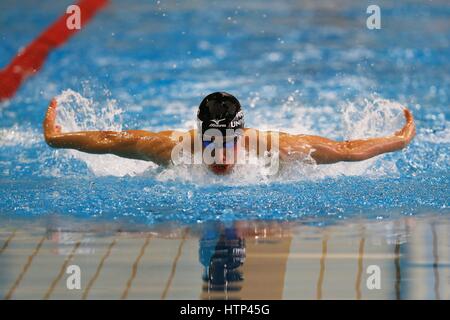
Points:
x=325 y=151
x=133 y=144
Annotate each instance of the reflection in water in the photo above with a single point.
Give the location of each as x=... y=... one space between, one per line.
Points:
x=235 y=260
x=244 y=259
x=222 y=253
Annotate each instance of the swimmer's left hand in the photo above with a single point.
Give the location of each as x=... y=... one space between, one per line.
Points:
x=408 y=131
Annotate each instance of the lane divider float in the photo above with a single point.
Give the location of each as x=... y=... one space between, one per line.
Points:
x=31 y=59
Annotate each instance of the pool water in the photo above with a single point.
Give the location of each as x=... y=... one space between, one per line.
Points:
x=406 y=258
x=296 y=66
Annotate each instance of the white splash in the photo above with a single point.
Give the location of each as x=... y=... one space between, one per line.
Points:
x=16 y=135
x=365 y=119
x=77 y=113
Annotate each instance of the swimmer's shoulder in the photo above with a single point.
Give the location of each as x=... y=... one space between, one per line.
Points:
x=172 y=134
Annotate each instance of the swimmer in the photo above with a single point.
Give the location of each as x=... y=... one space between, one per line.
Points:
x=220 y=111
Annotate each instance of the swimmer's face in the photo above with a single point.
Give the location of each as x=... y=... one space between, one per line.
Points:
x=227 y=153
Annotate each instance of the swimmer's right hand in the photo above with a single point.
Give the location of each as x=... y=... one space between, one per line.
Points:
x=50 y=127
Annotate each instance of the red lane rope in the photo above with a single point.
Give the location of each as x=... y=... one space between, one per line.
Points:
x=30 y=60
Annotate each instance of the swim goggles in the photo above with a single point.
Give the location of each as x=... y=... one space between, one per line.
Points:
x=228 y=143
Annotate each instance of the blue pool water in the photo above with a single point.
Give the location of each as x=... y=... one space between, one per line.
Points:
x=309 y=67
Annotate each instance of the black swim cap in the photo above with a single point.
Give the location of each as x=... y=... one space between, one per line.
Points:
x=220 y=110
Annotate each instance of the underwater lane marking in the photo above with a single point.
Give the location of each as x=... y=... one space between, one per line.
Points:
x=360 y=268
x=99 y=268
x=174 y=264
x=25 y=269
x=398 y=274
x=7 y=242
x=135 y=267
x=62 y=271
x=31 y=59
x=322 y=267
x=307 y=256
x=437 y=294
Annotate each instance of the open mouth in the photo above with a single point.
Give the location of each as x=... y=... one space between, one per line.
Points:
x=220 y=168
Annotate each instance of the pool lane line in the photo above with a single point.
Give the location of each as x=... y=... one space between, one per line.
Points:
x=435 y=262
x=61 y=271
x=99 y=268
x=174 y=264
x=25 y=268
x=30 y=60
x=330 y=256
x=398 y=271
x=360 y=268
x=135 y=267
x=322 y=267
x=7 y=242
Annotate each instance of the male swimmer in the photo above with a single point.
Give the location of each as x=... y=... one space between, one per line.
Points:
x=221 y=112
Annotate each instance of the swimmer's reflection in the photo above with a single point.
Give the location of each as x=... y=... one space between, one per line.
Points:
x=222 y=253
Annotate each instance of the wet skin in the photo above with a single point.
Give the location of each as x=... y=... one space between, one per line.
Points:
x=157 y=146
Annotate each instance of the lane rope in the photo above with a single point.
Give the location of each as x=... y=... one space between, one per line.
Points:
x=30 y=60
